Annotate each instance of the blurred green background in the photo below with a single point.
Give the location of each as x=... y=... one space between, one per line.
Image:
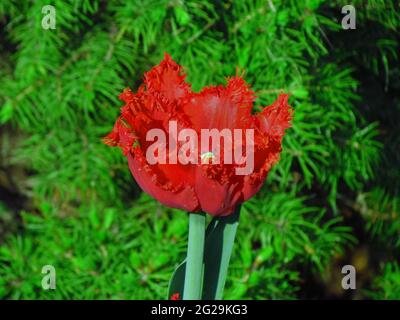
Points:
x=69 y=201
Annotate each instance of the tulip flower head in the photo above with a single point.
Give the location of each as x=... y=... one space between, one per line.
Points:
x=201 y=151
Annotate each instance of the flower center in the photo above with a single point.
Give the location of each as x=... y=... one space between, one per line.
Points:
x=206 y=156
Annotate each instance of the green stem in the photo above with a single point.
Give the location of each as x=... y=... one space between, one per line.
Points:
x=194 y=260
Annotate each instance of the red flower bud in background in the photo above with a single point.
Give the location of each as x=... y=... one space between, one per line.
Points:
x=215 y=188
x=176 y=296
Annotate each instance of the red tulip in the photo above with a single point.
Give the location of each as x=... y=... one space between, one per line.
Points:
x=203 y=184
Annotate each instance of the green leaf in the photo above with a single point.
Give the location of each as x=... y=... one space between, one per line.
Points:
x=6 y=112
x=160 y=260
x=176 y=284
x=300 y=93
x=109 y=217
x=265 y=254
x=94 y=218
x=182 y=17
x=254 y=278
x=134 y=259
x=217 y=253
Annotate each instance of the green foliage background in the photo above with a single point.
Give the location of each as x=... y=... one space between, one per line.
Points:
x=68 y=200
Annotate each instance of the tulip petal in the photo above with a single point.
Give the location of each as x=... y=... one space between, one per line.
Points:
x=221 y=107
x=167 y=79
x=270 y=124
x=217 y=199
x=183 y=198
x=274 y=119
